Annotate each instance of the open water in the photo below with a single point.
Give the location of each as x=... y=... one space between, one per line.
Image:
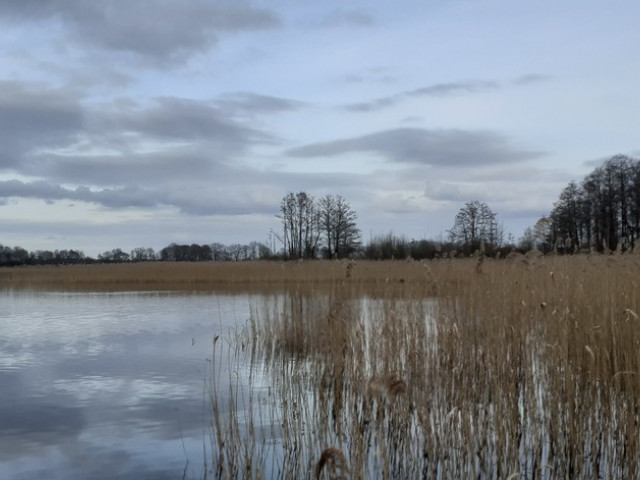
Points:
x=109 y=385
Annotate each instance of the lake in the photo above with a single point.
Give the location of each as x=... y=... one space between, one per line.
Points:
x=110 y=385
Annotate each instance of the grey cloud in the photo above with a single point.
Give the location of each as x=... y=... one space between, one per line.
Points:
x=449 y=148
x=231 y=200
x=191 y=198
x=182 y=119
x=530 y=79
x=436 y=90
x=594 y=162
x=443 y=89
x=247 y=103
x=116 y=197
x=171 y=164
x=374 y=75
x=597 y=162
x=377 y=104
x=445 y=191
x=223 y=192
x=34 y=116
x=163 y=30
x=170 y=139
x=348 y=18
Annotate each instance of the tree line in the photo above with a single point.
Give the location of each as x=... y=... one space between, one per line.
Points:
x=599 y=214
x=311 y=229
x=215 y=252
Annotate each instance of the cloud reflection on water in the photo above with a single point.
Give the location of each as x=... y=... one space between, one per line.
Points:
x=108 y=385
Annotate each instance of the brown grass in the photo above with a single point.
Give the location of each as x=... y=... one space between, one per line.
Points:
x=210 y=275
x=523 y=368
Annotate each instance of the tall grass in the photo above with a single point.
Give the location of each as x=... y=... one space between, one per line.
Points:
x=519 y=368
x=209 y=276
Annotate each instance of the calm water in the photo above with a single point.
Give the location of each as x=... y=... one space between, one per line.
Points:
x=109 y=385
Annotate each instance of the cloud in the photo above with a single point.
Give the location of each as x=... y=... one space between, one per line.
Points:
x=598 y=162
x=185 y=120
x=47 y=132
x=370 y=75
x=436 y=90
x=247 y=103
x=442 y=90
x=117 y=197
x=35 y=116
x=348 y=18
x=50 y=136
x=530 y=79
x=162 y=31
x=164 y=166
x=193 y=198
x=164 y=152
x=376 y=104
x=447 y=148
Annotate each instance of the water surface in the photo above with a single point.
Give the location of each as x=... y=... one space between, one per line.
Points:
x=109 y=385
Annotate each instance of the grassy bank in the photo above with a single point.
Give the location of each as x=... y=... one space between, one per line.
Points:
x=215 y=276
x=528 y=368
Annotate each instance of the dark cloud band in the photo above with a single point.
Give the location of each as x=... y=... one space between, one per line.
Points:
x=447 y=148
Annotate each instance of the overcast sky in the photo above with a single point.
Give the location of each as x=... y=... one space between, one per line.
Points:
x=140 y=123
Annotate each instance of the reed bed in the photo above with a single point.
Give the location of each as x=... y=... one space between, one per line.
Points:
x=211 y=276
x=498 y=369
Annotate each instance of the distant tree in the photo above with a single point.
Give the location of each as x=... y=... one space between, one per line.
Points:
x=602 y=212
x=300 y=225
x=537 y=237
x=387 y=247
x=13 y=256
x=566 y=219
x=423 y=249
x=114 y=256
x=20 y=256
x=219 y=252
x=475 y=228
x=237 y=252
x=338 y=226
x=142 y=254
x=42 y=257
x=542 y=234
x=263 y=252
x=186 y=253
x=69 y=257
x=199 y=253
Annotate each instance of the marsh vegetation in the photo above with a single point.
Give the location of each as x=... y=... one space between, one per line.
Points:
x=521 y=368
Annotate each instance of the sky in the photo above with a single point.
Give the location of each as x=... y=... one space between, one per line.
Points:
x=129 y=124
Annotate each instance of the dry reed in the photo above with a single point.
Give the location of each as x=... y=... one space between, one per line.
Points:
x=527 y=367
x=209 y=276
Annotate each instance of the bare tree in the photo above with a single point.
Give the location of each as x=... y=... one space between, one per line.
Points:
x=300 y=225
x=142 y=254
x=338 y=225
x=219 y=252
x=114 y=256
x=601 y=213
x=475 y=228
